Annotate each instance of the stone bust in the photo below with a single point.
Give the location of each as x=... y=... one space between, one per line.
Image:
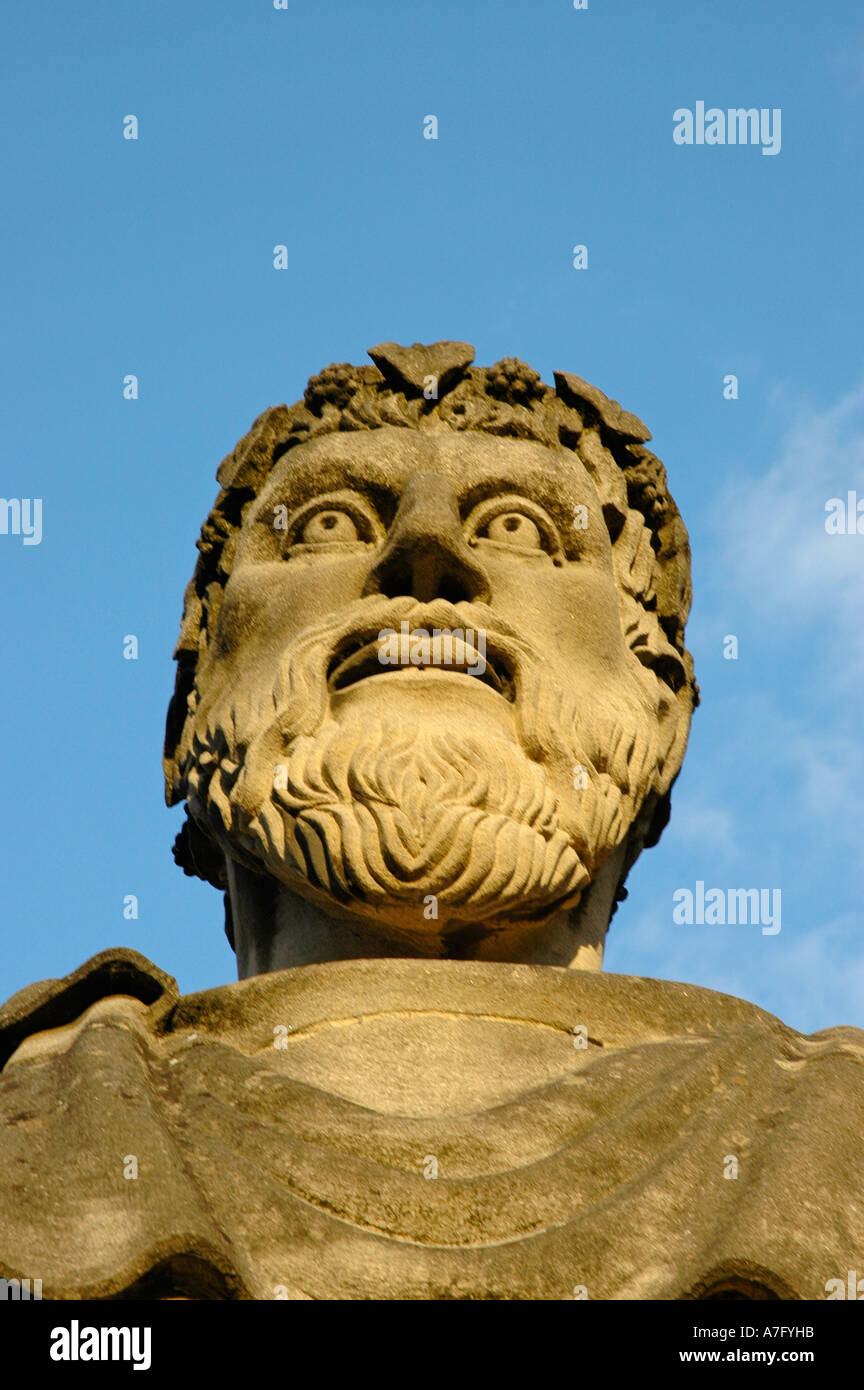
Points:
x=432 y=696
x=344 y=786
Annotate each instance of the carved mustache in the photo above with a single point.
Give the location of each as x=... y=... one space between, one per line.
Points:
x=303 y=679
x=464 y=651
x=310 y=669
x=353 y=646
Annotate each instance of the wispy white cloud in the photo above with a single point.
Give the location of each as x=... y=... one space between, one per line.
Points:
x=776 y=551
x=777 y=793
x=695 y=823
x=810 y=976
x=820 y=973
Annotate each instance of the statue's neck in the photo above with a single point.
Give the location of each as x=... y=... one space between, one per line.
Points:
x=275 y=929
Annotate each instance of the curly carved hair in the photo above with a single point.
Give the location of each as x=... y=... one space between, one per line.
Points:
x=412 y=387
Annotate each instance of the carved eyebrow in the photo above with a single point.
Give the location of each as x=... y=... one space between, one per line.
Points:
x=374 y=481
x=532 y=476
x=552 y=494
x=294 y=493
x=331 y=475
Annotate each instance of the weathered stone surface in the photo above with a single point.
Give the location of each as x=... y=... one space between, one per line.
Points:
x=406 y=637
x=432 y=697
x=578 y=392
x=410 y=368
x=302 y=1166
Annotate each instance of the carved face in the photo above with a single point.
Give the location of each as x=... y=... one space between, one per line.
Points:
x=419 y=688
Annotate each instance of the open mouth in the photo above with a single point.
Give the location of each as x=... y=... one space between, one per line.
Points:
x=363 y=654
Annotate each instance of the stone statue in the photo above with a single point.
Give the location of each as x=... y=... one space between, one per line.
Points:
x=432 y=696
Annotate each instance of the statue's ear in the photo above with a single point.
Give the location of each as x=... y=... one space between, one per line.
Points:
x=659 y=820
x=198 y=855
x=178 y=713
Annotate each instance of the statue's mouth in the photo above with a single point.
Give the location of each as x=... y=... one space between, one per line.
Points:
x=363 y=655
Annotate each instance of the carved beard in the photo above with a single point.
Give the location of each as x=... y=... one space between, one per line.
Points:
x=385 y=816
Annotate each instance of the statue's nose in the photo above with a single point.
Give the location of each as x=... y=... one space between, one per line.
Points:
x=425 y=554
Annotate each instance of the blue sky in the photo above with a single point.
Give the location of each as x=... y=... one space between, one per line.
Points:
x=304 y=127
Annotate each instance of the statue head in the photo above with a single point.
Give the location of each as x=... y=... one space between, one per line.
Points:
x=432 y=689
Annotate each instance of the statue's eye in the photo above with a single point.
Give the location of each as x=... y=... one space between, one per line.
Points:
x=516 y=523
x=513 y=528
x=330 y=525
